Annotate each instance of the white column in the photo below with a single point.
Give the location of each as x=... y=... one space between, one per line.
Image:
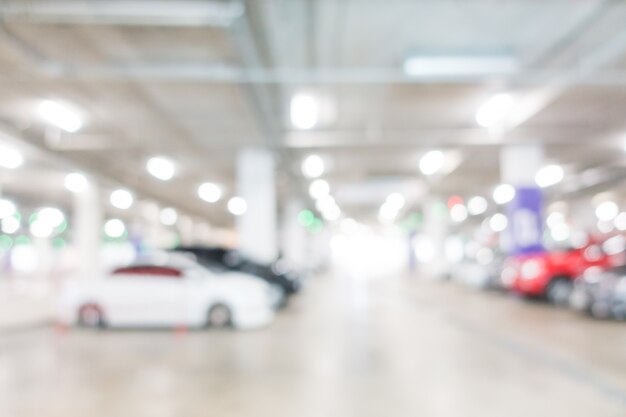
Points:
x=294 y=236
x=430 y=246
x=257 y=228
x=87 y=228
x=518 y=166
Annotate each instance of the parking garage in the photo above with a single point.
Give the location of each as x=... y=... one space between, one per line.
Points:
x=312 y=208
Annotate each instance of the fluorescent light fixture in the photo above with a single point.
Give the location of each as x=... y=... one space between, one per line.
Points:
x=503 y=193
x=161 y=168
x=59 y=115
x=432 y=162
x=114 y=228
x=313 y=166
x=209 y=192
x=477 y=205
x=10 y=157
x=75 y=182
x=304 y=111
x=494 y=110
x=237 y=206
x=459 y=65
x=319 y=189
x=7 y=208
x=121 y=199
x=549 y=175
x=168 y=216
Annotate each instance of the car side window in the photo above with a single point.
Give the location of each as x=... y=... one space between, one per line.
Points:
x=151 y=270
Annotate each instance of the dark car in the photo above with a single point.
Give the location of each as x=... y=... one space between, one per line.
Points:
x=289 y=282
x=601 y=294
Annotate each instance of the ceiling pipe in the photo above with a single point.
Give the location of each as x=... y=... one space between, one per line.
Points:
x=182 y=13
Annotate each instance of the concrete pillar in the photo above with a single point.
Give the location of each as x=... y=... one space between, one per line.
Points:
x=430 y=246
x=294 y=237
x=257 y=227
x=518 y=167
x=87 y=228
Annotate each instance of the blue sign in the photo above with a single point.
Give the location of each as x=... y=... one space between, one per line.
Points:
x=526 y=221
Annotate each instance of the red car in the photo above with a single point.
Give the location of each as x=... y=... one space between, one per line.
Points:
x=552 y=274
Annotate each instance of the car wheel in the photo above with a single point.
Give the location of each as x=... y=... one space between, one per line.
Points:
x=91 y=316
x=559 y=291
x=219 y=316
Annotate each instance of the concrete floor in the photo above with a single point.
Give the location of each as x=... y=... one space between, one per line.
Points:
x=345 y=347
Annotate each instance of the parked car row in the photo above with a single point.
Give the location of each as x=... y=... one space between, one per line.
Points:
x=181 y=289
x=586 y=278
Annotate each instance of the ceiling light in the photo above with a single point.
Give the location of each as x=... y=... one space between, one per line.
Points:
x=448 y=65
x=114 y=228
x=498 y=222
x=432 y=162
x=503 y=193
x=51 y=216
x=121 y=199
x=318 y=189
x=10 y=157
x=10 y=225
x=60 y=116
x=75 y=182
x=494 y=110
x=304 y=111
x=313 y=166
x=477 y=205
x=549 y=175
x=209 y=192
x=607 y=211
x=161 y=168
x=168 y=216
x=458 y=213
x=237 y=206
x=7 y=208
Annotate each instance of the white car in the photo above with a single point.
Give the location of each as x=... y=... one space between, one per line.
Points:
x=167 y=295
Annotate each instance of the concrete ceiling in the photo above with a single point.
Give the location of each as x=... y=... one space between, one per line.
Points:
x=199 y=80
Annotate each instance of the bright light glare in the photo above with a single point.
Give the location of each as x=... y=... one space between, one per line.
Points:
x=391 y=207
x=122 y=199
x=494 y=110
x=477 y=205
x=51 y=216
x=313 y=166
x=503 y=193
x=549 y=175
x=161 y=168
x=396 y=200
x=433 y=65
x=325 y=203
x=7 y=208
x=607 y=211
x=114 y=228
x=168 y=216
x=498 y=222
x=237 y=206
x=332 y=213
x=60 y=116
x=304 y=111
x=40 y=228
x=10 y=225
x=10 y=157
x=425 y=250
x=432 y=162
x=560 y=232
x=620 y=221
x=555 y=219
x=209 y=192
x=458 y=213
x=75 y=182
x=318 y=189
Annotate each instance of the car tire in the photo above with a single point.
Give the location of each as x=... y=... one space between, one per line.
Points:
x=219 y=316
x=559 y=291
x=91 y=316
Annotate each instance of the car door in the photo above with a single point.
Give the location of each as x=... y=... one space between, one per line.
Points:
x=151 y=296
